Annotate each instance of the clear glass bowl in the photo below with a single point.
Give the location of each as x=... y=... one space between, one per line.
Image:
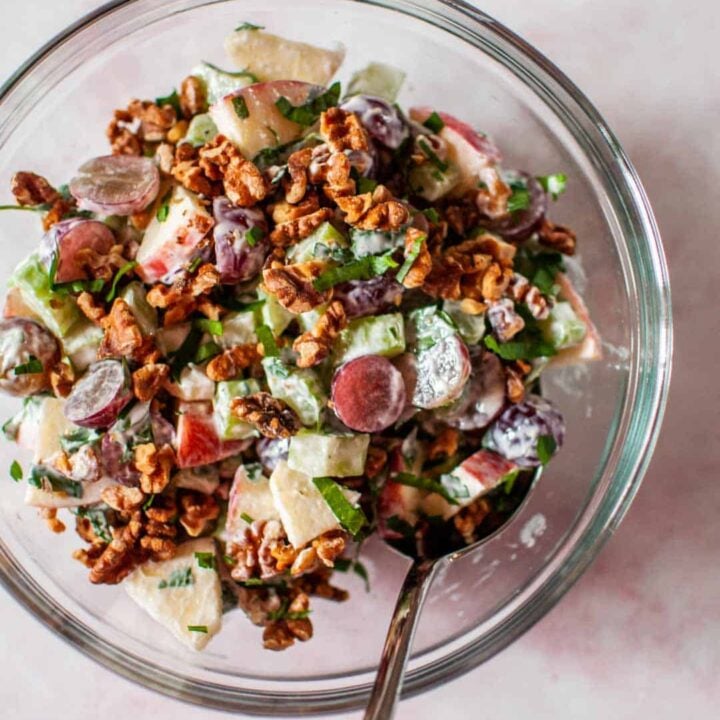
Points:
x=53 y=113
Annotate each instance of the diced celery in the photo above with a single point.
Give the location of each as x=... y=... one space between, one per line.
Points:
x=81 y=344
x=218 y=82
x=471 y=327
x=146 y=315
x=301 y=389
x=379 y=80
x=563 y=328
x=375 y=335
x=427 y=325
x=228 y=426
x=238 y=329
x=202 y=129
x=372 y=242
x=430 y=183
x=58 y=312
x=318 y=245
x=273 y=314
x=320 y=455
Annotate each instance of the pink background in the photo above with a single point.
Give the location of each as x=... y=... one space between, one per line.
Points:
x=639 y=635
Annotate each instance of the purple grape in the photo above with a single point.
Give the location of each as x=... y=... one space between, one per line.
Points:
x=380 y=119
x=271 y=452
x=442 y=372
x=515 y=434
x=240 y=253
x=483 y=398
x=23 y=344
x=99 y=396
x=117 y=462
x=522 y=223
x=369 y=297
x=163 y=430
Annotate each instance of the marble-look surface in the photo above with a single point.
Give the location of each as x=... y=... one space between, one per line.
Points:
x=639 y=635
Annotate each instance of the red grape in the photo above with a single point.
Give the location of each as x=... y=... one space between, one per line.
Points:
x=522 y=223
x=380 y=119
x=369 y=297
x=24 y=343
x=442 y=371
x=368 y=393
x=116 y=184
x=99 y=396
x=270 y=452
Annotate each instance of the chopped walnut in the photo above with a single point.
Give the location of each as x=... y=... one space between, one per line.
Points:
x=50 y=517
x=123 y=499
x=374 y=211
x=256 y=551
x=197 y=511
x=154 y=121
x=492 y=199
x=445 y=445
x=123 y=337
x=292 y=285
x=338 y=177
x=30 y=189
x=163 y=509
x=515 y=374
x=296 y=181
x=62 y=379
x=57 y=212
x=148 y=380
x=230 y=363
x=274 y=418
x=495 y=281
x=190 y=175
x=422 y=265
x=521 y=291
x=193 y=97
x=186 y=295
x=499 y=250
x=375 y=461
x=154 y=466
x=469 y=519
x=93 y=309
x=119 y=557
x=323 y=551
x=343 y=130
x=316 y=344
x=123 y=139
x=284 y=212
x=444 y=279
x=504 y=320
x=292 y=231
x=557 y=237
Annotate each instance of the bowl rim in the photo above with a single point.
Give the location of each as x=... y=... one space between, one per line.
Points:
x=656 y=328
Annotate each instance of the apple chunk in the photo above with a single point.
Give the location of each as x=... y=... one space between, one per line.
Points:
x=172 y=238
x=198 y=442
x=250 y=118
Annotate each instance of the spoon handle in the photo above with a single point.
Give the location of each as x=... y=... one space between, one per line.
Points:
x=388 y=681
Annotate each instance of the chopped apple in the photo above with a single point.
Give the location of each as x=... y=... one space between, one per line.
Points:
x=270 y=57
x=250 y=500
x=397 y=501
x=474 y=477
x=181 y=594
x=193 y=385
x=250 y=118
x=92 y=494
x=171 y=243
x=198 y=442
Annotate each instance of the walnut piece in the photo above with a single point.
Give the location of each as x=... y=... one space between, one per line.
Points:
x=515 y=374
x=316 y=344
x=62 y=379
x=154 y=466
x=296 y=181
x=154 y=121
x=504 y=320
x=292 y=285
x=445 y=445
x=30 y=189
x=123 y=337
x=557 y=237
x=274 y=418
x=91 y=308
x=422 y=265
x=186 y=295
x=123 y=140
x=51 y=520
x=230 y=363
x=343 y=130
x=469 y=519
x=374 y=211
x=123 y=499
x=148 y=380
x=292 y=231
x=284 y=212
x=197 y=511
x=193 y=98
x=257 y=551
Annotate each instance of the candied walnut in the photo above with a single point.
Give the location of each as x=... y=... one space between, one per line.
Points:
x=51 y=520
x=244 y=184
x=101 y=265
x=123 y=139
x=292 y=231
x=154 y=121
x=283 y=211
x=515 y=374
x=88 y=556
x=445 y=445
x=374 y=211
x=277 y=636
x=521 y=291
x=148 y=380
x=163 y=509
x=230 y=363
x=164 y=157
x=256 y=551
x=499 y=250
x=197 y=511
x=343 y=130
x=495 y=281
x=117 y=560
x=193 y=97
x=157 y=547
x=186 y=295
x=123 y=337
x=557 y=237
x=315 y=345
x=462 y=217
x=375 y=461
x=274 y=418
x=293 y=287
x=444 y=279
x=338 y=178
x=323 y=551
x=62 y=379
x=58 y=210
x=296 y=181
x=190 y=175
x=472 y=307
x=123 y=499
x=422 y=265
x=492 y=199
x=31 y=189
x=469 y=519
x=504 y=320
x=154 y=466
x=91 y=308
x=317 y=583
x=216 y=155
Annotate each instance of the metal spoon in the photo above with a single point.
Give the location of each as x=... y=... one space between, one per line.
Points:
x=419 y=578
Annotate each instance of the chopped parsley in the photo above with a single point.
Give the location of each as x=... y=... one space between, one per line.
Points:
x=432 y=215
x=206 y=560
x=526 y=348
x=555 y=184
x=352 y=518
x=198 y=628
x=49 y=480
x=366 y=185
x=411 y=257
x=267 y=339
x=124 y=270
x=98 y=521
x=249 y=520
x=254 y=235
x=248 y=26
x=345 y=565
x=508 y=481
x=16 y=472
x=206 y=351
x=546 y=448
x=75 y=439
x=520 y=198
x=32 y=367
x=365 y=268
x=164 y=210
x=433 y=486
x=240 y=107
x=434 y=123
x=238 y=74
x=308 y=113
x=213 y=327
x=541 y=268
x=173 y=99
x=178 y=578
x=195 y=264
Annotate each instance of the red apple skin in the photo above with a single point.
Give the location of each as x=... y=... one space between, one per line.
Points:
x=590 y=349
x=488 y=468
x=397 y=500
x=197 y=440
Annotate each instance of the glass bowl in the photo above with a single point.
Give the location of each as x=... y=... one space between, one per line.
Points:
x=53 y=114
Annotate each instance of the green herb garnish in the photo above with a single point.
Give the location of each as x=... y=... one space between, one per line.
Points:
x=178 y=578
x=432 y=215
x=32 y=367
x=49 y=480
x=267 y=339
x=352 y=518
x=366 y=185
x=365 y=268
x=213 y=327
x=198 y=628
x=26 y=208
x=248 y=26
x=254 y=235
x=240 y=107
x=432 y=156
x=195 y=264
x=206 y=560
x=308 y=113
x=238 y=74
x=98 y=521
x=521 y=349
x=124 y=270
x=173 y=99
x=433 y=486
x=148 y=503
x=554 y=184
x=185 y=354
x=76 y=439
x=16 y=472
x=206 y=351
x=434 y=123
x=508 y=481
x=520 y=198
x=247 y=518
x=411 y=257
x=546 y=448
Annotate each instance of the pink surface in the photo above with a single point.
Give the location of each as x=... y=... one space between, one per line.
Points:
x=639 y=635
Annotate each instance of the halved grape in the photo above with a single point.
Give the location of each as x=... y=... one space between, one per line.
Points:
x=515 y=434
x=522 y=223
x=241 y=241
x=368 y=393
x=442 y=372
x=271 y=452
x=100 y=395
x=381 y=119
x=117 y=463
x=27 y=352
x=482 y=399
x=116 y=184
x=369 y=297
x=67 y=238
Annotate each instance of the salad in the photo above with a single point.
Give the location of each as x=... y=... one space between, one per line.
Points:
x=278 y=318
